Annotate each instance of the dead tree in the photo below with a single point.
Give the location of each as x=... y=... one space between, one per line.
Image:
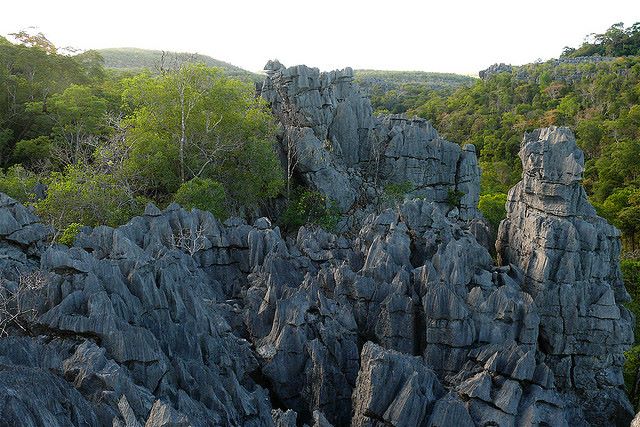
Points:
x=15 y=312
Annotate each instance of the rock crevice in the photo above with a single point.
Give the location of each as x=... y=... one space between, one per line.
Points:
x=177 y=319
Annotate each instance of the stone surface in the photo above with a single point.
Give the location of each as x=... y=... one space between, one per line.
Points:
x=393 y=389
x=341 y=149
x=570 y=260
x=177 y=319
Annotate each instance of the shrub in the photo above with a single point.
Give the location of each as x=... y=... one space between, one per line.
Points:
x=32 y=151
x=204 y=194
x=396 y=192
x=84 y=196
x=454 y=197
x=310 y=207
x=492 y=207
x=631 y=275
x=630 y=371
x=18 y=183
x=68 y=235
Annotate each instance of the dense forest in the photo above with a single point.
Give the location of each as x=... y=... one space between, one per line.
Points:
x=134 y=59
x=397 y=92
x=616 y=41
x=104 y=142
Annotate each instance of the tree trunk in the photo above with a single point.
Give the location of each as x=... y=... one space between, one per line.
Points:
x=183 y=135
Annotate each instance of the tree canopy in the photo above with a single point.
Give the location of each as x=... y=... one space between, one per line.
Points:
x=103 y=143
x=616 y=41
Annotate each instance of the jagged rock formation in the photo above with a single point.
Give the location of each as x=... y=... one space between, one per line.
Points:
x=570 y=260
x=342 y=150
x=176 y=319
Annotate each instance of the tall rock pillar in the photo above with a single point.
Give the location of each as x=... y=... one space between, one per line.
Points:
x=570 y=259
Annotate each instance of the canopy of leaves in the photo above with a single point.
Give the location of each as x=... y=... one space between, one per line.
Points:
x=492 y=207
x=104 y=142
x=399 y=91
x=203 y=194
x=30 y=75
x=225 y=132
x=616 y=41
x=308 y=207
x=81 y=195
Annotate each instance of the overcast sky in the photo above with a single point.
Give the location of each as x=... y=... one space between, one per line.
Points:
x=460 y=36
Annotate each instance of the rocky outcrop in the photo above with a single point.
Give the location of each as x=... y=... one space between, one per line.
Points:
x=570 y=260
x=177 y=319
x=495 y=69
x=393 y=389
x=339 y=148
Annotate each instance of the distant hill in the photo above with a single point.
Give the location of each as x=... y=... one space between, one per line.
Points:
x=129 y=58
x=402 y=91
x=388 y=80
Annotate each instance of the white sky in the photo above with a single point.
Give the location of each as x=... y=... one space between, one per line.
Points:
x=460 y=36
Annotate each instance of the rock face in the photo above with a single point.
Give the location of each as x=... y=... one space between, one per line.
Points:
x=177 y=319
x=570 y=260
x=342 y=150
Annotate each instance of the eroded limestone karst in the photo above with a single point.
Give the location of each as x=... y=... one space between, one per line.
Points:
x=178 y=319
x=570 y=259
x=341 y=149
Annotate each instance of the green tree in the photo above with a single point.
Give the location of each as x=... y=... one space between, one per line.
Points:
x=33 y=152
x=308 y=207
x=84 y=196
x=31 y=72
x=79 y=118
x=193 y=122
x=203 y=194
x=492 y=207
x=18 y=183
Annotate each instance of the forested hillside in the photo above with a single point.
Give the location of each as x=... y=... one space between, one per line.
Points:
x=399 y=91
x=598 y=99
x=104 y=143
x=616 y=41
x=134 y=59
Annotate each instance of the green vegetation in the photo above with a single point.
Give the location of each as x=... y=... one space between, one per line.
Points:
x=598 y=100
x=400 y=91
x=18 y=183
x=616 y=41
x=82 y=195
x=631 y=275
x=310 y=207
x=68 y=235
x=395 y=192
x=203 y=194
x=133 y=59
x=454 y=197
x=492 y=208
x=105 y=143
x=195 y=122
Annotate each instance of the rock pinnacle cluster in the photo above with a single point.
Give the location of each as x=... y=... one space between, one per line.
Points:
x=179 y=319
